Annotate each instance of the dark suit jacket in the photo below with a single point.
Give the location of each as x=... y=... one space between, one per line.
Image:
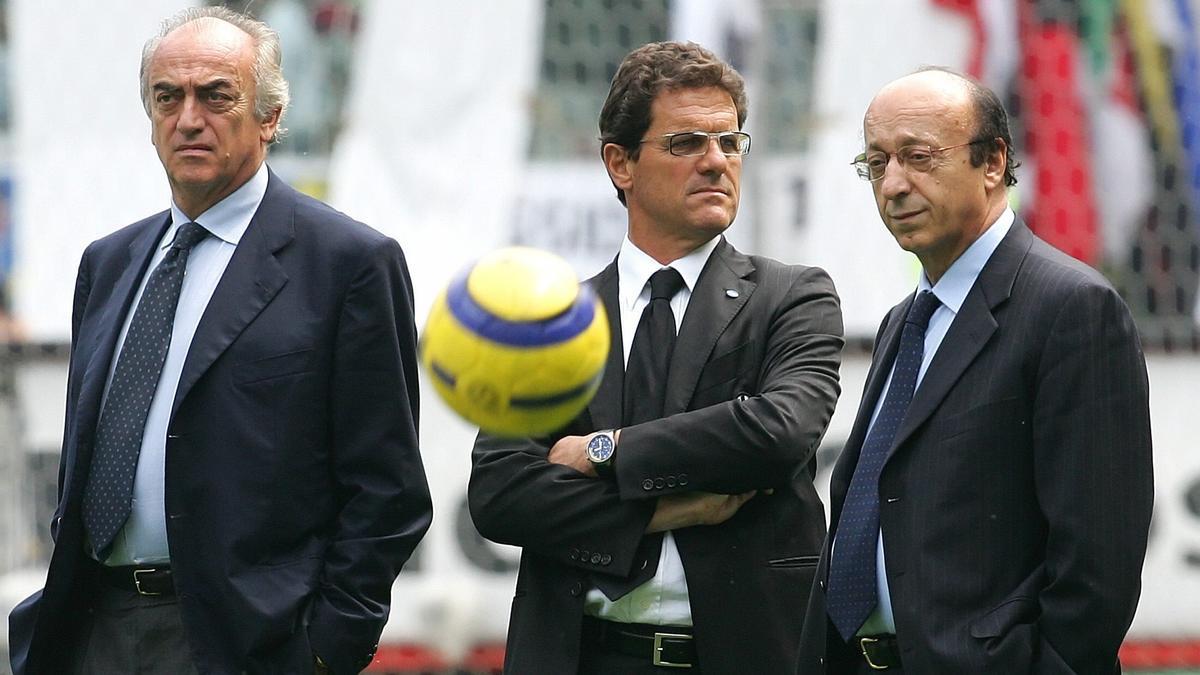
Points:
x=294 y=486
x=1016 y=500
x=752 y=386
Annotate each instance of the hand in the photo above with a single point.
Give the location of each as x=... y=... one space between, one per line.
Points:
x=695 y=508
x=571 y=451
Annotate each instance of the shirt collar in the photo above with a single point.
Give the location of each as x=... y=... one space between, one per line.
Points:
x=634 y=268
x=228 y=219
x=954 y=285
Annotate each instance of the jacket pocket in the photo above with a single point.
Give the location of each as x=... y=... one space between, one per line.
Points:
x=795 y=561
x=986 y=418
x=724 y=368
x=1021 y=609
x=271 y=367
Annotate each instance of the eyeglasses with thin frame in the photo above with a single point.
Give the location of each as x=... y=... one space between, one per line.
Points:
x=693 y=143
x=872 y=165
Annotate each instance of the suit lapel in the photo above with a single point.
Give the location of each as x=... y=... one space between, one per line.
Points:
x=251 y=280
x=140 y=251
x=721 y=291
x=102 y=350
x=605 y=407
x=970 y=331
x=886 y=345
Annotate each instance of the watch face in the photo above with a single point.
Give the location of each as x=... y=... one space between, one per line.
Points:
x=600 y=448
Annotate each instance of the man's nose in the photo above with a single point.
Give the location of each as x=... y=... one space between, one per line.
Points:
x=190 y=118
x=713 y=160
x=895 y=181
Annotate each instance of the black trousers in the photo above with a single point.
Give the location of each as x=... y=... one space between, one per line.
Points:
x=125 y=632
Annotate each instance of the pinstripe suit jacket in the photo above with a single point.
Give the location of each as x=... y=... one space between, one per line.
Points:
x=752 y=386
x=1015 y=501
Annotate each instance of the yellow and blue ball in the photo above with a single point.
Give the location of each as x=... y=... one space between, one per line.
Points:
x=515 y=344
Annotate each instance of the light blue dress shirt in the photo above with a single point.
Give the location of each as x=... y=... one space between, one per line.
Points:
x=143 y=539
x=951 y=290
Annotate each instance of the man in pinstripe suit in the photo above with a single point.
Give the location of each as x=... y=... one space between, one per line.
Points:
x=1007 y=501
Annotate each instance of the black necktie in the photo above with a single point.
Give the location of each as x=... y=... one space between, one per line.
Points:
x=852 y=590
x=645 y=390
x=118 y=441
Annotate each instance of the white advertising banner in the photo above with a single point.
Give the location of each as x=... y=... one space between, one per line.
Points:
x=82 y=159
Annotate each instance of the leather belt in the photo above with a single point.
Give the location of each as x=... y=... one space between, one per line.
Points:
x=141 y=579
x=666 y=646
x=881 y=652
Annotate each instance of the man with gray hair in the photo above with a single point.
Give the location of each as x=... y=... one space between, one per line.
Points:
x=240 y=480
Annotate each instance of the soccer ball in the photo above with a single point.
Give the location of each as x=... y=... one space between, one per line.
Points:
x=515 y=344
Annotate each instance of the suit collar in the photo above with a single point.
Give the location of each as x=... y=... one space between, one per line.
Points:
x=140 y=251
x=634 y=268
x=250 y=281
x=605 y=406
x=971 y=330
x=952 y=288
x=722 y=289
x=228 y=219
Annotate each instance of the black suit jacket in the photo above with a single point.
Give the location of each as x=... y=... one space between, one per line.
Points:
x=1015 y=501
x=752 y=386
x=294 y=488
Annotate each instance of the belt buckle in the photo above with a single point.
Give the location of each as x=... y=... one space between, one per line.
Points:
x=137 y=582
x=658 y=639
x=862 y=645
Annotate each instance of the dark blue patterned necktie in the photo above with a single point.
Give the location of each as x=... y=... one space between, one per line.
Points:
x=645 y=392
x=118 y=442
x=852 y=590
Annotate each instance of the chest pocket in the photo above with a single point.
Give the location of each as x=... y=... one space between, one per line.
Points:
x=724 y=370
x=273 y=367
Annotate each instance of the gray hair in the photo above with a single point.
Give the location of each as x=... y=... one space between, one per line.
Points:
x=270 y=88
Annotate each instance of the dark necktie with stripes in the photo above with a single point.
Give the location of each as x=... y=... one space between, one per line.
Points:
x=645 y=391
x=118 y=441
x=852 y=590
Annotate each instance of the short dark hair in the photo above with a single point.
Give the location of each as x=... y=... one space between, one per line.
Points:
x=651 y=69
x=991 y=123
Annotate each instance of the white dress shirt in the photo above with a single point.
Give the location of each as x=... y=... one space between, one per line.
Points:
x=951 y=290
x=143 y=538
x=663 y=599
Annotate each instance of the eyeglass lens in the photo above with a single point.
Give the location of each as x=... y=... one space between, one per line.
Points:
x=696 y=143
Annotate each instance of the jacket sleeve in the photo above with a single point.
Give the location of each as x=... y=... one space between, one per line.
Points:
x=1094 y=478
x=383 y=502
x=762 y=440
x=517 y=497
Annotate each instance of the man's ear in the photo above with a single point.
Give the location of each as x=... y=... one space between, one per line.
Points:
x=619 y=164
x=995 y=164
x=269 y=126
